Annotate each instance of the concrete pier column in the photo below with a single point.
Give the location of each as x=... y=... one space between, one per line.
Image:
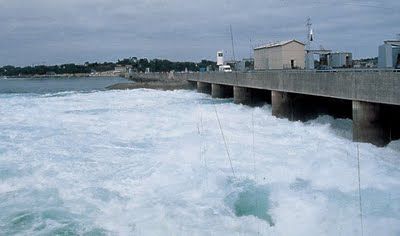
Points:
x=282 y=105
x=203 y=87
x=192 y=84
x=369 y=125
x=242 y=95
x=221 y=91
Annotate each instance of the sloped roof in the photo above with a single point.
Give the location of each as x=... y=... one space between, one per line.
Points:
x=278 y=44
x=393 y=42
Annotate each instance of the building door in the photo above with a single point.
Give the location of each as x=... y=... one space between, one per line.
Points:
x=292 y=64
x=398 y=62
x=348 y=63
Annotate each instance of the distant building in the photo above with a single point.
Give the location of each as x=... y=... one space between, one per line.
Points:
x=122 y=69
x=119 y=69
x=322 y=63
x=281 y=55
x=389 y=54
x=51 y=73
x=365 y=63
x=340 y=59
x=246 y=64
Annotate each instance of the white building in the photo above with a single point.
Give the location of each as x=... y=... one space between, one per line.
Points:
x=389 y=54
x=220 y=58
x=281 y=55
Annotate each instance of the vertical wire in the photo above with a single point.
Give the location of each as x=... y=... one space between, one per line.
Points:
x=359 y=191
x=254 y=154
x=254 y=165
x=225 y=143
x=358 y=161
x=204 y=144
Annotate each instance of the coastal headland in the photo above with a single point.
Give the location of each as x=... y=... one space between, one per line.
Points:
x=161 y=81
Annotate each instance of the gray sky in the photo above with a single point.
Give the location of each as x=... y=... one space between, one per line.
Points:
x=62 y=31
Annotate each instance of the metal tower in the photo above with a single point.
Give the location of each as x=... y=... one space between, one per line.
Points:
x=309 y=55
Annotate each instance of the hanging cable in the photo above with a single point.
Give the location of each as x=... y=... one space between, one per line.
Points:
x=234 y=56
x=225 y=143
x=254 y=165
x=254 y=153
x=359 y=191
x=358 y=170
x=233 y=46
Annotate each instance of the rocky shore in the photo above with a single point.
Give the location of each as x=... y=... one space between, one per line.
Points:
x=154 y=82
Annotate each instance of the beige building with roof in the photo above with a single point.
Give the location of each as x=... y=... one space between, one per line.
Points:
x=281 y=55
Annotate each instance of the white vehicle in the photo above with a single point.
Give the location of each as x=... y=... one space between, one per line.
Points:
x=225 y=68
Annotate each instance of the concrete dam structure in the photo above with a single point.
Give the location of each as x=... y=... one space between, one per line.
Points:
x=371 y=98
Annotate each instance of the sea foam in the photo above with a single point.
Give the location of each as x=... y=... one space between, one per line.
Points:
x=146 y=162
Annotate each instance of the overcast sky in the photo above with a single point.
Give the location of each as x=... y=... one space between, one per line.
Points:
x=62 y=31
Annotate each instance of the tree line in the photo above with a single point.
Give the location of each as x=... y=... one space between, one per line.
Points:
x=138 y=65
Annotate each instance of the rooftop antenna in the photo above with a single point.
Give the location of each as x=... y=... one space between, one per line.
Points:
x=309 y=60
x=309 y=34
x=251 y=49
x=233 y=46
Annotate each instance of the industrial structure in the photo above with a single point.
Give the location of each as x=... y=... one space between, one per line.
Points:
x=303 y=95
x=389 y=54
x=288 y=54
x=246 y=64
x=327 y=58
x=294 y=54
x=336 y=59
x=340 y=59
x=309 y=63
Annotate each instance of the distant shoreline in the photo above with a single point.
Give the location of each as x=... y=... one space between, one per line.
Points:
x=65 y=76
x=158 y=83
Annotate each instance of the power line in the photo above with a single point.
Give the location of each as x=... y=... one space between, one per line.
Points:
x=358 y=4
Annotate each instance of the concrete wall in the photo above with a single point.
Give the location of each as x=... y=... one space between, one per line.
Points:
x=371 y=98
x=369 y=86
x=260 y=59
x=293 y=51
x=275 y=60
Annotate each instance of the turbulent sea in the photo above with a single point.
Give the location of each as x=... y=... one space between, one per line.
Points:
x=85 y=161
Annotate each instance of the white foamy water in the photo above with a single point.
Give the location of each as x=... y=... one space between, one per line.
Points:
x=147 y=162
